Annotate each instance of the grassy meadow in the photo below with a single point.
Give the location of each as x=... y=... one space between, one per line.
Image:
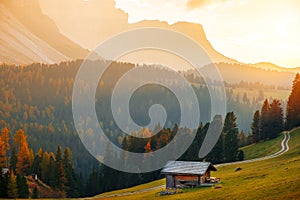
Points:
x=276 y=178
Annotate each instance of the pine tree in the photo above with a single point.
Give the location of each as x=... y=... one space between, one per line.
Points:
x=13 y=160
x=293 y=105
x=60 y=171
x=217 y=153
x=3 y=185
x=276 y=119
x=71 y=183
x=23 y=190
x=36 y=167
x=44 y=168
x=35 y=193
x=264 y=120
x=4 y=147
x=52 y=171
x=23 y=162
x=12 y=188
x=231 y=141
x=255 y=127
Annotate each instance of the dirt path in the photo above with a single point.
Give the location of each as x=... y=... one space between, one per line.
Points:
x=284 y=149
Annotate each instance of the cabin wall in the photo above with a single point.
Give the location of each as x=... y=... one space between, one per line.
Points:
x=173 y=181
x=169 y=181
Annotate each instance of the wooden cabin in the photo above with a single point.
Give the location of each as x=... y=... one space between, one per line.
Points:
x=182 y=174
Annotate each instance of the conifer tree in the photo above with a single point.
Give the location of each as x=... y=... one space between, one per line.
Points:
x=275 y=119
x=35 y=193
x=3 y=185
x=217 y=153
x=13 y=160
x=12 y=188
x=60 y=171
x=71 y=179
x=4 y=147
x=264 y=120
x=255 y=127
x=23 y=162
x=23 y=190
x=231 y=141
x=293 y=105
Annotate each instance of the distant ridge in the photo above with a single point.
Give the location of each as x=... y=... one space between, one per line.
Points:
x=271 y=66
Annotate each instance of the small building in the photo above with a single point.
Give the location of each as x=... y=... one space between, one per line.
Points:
x=182 y=174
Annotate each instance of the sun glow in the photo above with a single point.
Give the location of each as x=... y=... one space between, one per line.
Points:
x=249 y=31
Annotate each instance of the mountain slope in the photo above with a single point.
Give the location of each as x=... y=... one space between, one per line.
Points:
x=19 y=45
x=99 y=20
x=29 y=36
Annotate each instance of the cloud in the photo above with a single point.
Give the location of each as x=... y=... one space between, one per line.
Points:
x=193 y=4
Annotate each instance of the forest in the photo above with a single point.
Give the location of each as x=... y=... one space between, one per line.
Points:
x=37 y=100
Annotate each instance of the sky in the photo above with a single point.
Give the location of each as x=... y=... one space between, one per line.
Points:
x=250 y=31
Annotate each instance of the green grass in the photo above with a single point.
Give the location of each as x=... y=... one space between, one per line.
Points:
x=139 y=187
x=263 y=148
x=276 y=178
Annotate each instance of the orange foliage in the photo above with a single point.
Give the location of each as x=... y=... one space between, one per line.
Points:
x=4 y=147
x=148 y=147
x=24 y=157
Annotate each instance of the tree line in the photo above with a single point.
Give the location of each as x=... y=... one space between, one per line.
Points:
x=56 y=170
x=269 y=121
x=103 y=178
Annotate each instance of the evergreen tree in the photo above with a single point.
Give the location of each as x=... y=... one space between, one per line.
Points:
x=61 y=176
x=217 y=153
x=107 y=172
x=71 y=184
x=23 y=164
x=231 y=140
x=45 y=162
x=264 y=120
x=255 y=127
x=276 y=119
x=23 y=190
x=35 y=193
x=12 y=188
x=52 y=172
x=3 y=185
x=13 y=160
x=293 y=105
x=36 y=167
x=59 y=170
x=4 y=147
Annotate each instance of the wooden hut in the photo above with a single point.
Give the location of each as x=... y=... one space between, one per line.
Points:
x=187 y=174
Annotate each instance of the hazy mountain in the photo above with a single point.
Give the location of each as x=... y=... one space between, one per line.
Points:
x=271 y=66
x=99 y=20
x=29 y=36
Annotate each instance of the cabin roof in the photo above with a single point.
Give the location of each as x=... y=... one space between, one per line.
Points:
x=184 y=168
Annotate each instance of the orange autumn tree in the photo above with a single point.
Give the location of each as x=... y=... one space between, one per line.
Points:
x=23 y=156
x=4 y=147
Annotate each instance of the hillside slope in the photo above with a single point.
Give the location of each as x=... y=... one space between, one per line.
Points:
x=28 y=36
x=275 y=178
x=19 y=45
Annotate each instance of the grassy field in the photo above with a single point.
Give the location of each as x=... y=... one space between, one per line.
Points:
x=263 y=148
x=276 y=178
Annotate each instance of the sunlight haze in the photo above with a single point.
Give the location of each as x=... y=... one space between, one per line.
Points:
x=249 y=31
